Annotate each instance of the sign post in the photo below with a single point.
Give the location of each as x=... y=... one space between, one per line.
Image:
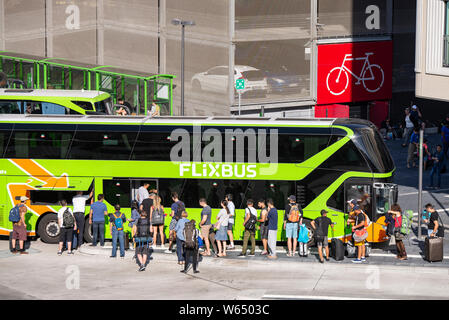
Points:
x=239 y=86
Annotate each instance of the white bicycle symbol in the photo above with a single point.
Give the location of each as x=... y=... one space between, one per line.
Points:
x=371 y=75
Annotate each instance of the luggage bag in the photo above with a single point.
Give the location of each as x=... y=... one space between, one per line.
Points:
x=433 y=249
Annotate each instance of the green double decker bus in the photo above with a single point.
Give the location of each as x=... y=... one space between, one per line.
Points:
x=324 y=162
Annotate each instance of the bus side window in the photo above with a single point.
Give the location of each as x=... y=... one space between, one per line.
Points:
x=52 y=108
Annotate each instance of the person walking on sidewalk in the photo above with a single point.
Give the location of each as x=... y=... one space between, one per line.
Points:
x=412 y=147
x=263 y=225
x=433 y=226
x=321 y=227
x=190 y=246
x=116 y=226
x=438 y=163
x=67 y=224
x=141 y=230
x=408 y=128
x=396 y=213
x=292 y=219
x=250 y=229
x=272 y=228
x=19 y=230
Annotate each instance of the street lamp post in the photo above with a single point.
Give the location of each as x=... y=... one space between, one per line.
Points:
x=183 y=23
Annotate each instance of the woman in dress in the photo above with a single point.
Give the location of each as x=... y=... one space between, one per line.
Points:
x=221 y=235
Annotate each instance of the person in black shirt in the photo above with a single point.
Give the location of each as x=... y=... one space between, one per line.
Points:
x=321 y=227
x=433 y=225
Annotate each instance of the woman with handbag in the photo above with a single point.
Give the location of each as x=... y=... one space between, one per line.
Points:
x=396 y=212
x=221 y=235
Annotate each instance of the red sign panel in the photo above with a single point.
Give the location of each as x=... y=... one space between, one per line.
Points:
x=351 y=72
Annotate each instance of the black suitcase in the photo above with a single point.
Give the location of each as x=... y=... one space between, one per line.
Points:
x=26 y=243
x=433 y=249
x=337 y=249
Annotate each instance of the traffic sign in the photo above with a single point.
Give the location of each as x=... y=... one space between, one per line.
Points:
x=240 y=84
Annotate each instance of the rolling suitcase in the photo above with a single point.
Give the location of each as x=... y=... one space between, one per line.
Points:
x=337 y=249
x=433 y=249
x=126 y=236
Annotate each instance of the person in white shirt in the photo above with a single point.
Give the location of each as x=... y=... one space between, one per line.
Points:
x=66 y=227
x=249 y=234
x=408 y=130
x=143 y=193
x=231 y=208
x=79 y=207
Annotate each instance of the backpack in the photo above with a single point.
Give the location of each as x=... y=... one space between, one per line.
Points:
x=118 y=222
x=143 y=227
x=14 y=214
x=190 y=236
x=251 y=223
x=158 y=216
x=181 y=208
x=68 y=221
x=294 y=215
x=407 y=219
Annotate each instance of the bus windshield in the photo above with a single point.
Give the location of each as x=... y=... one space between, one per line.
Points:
x=104 y=106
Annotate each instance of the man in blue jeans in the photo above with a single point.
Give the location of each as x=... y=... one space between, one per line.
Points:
x=98 y=211
x=116 y=224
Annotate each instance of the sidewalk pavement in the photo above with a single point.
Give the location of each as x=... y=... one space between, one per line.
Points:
x=379 y=255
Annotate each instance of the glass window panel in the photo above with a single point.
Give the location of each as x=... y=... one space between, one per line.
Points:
x=117 y=191
x=102 y=145
x=39 y=144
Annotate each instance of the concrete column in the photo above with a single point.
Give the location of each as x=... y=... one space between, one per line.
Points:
x=100 y=32
x=49 y=28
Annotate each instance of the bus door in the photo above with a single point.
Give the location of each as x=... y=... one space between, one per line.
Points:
x=361 y=191
x=384 y=195
x=137 y=183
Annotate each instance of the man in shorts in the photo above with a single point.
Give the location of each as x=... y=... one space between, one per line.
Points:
x=205 y=225
x=321 y=227
x=19 y=230
x=263 y=225
x=290 y=227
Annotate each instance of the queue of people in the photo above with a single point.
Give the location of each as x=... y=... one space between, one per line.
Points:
x=148 y=219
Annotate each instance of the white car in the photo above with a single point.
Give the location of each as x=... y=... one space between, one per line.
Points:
x=216 y=80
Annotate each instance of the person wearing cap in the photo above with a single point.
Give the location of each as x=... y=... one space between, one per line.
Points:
x=19 y=230
x=415 y=116
x=321 y=227
x=291 y=227
x=359 y=224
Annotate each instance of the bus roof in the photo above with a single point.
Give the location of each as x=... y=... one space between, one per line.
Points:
x=90 y=94
x=111 y=119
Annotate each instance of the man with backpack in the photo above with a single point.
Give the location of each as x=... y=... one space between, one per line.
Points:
x=19 y=230
x=141 y=232
x=67 y=225
x=205 y=225
x=177 y=209
x=190 y=235
x=292 y=219
x=250 y=229
x=116 y=225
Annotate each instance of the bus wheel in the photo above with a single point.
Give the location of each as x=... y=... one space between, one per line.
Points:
x=88 y=235
x=308 y=224
x=48 y=228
